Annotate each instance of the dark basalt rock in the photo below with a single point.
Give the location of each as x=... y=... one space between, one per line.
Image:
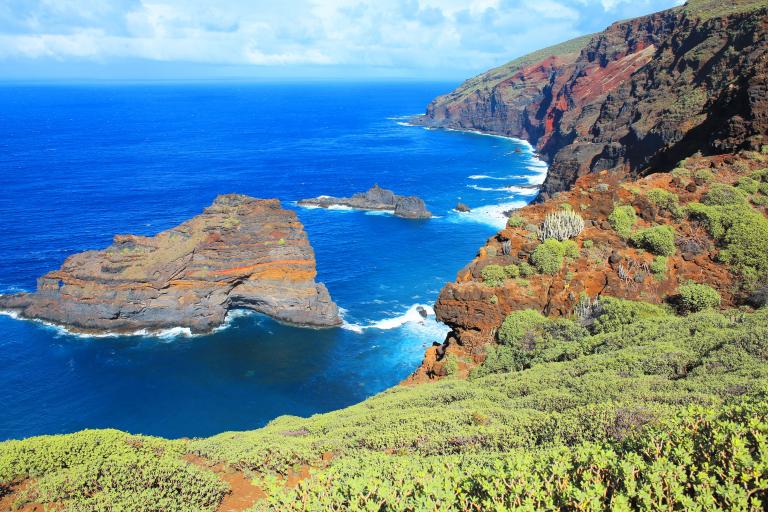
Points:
x=638 y=97
x=240 y=252
x=377 y=199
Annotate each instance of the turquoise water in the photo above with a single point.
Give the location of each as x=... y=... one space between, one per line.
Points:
x=81 y=163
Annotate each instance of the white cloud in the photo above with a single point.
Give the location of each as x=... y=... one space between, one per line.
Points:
x=437 y=34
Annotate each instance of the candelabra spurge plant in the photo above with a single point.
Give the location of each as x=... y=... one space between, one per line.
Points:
x=561 y=225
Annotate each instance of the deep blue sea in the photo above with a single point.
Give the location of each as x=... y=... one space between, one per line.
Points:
x=80 y=163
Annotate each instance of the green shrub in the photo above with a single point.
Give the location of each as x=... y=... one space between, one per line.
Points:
x=571 y=249
x=512 y=271
x=658 y=240
x=616 y=313
x=664 y=199
x=548 y=256
x=720 y=194
x=742 y=233
x=104 y=470
x=703 y=175
x=659 y=267
x=516 y=221
x=526 y=269
x=622 y=219
x=493 y=275
x=518 y=323
x=695 y=297
x=748 y=185
x=588 y=244
x=451 y=365
x=565 y=206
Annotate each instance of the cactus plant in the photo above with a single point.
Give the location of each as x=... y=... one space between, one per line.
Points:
x=561 y=225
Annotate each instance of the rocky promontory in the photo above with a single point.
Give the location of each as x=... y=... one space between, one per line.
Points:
x=240 y=253
x=377 y=199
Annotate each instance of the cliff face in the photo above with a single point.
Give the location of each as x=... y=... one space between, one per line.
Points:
x=637 y=97
x=240 y=252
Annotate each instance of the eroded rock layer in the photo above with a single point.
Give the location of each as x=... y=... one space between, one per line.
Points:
x=240 y=252
x=641 y=95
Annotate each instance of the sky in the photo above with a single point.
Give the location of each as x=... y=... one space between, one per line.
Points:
x=257 y=39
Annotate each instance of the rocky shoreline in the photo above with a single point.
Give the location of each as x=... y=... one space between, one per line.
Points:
x=375 y=199
x=240 y=253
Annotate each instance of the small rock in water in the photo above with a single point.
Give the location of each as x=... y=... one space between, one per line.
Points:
x=461 y=207
x=422 y=311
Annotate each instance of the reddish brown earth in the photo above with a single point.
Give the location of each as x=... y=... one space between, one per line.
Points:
x=641 y=95
x=240 y=252
x=243 y=493
x=475 y=310
x=8 y=500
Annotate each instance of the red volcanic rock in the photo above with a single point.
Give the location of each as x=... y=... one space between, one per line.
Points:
x=606 y=264
x=240 y=252
x=636 y=98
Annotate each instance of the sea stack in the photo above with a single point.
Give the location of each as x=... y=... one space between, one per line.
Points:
x=375 y=199
x=240 y=253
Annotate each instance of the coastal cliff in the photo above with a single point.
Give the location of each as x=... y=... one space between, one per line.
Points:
x=240 y=252
x=635 y=98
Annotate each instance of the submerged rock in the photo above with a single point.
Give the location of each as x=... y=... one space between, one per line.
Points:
x=377 y=199
x=240 y=253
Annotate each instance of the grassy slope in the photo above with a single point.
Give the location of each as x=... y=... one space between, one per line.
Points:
x=489 y=79
x=579 y=395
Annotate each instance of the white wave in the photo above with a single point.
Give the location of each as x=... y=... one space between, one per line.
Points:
x=379 y=212
x=413 y=315
x=169 y=333
x=492 y=215
x=536 y=179
x=481 y=177
x=405 y=123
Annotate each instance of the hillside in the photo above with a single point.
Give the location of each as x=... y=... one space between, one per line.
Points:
x=608 y=347
x=639 y=96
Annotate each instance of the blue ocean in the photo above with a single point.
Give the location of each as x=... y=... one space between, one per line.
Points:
x=80 y=163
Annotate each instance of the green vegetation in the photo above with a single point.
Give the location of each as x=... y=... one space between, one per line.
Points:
x=548 y=256
x=493 y=275
x=665 y=200
x=706 y=9
x=571 y=415
x=516 y=221
x=740 y=230
x=720 y=194
x=622 y=219
x=703 y=175
x=659 y=240
x=659 y=267
x=526 y=269
x=512 y=271
x=695 y=297
x=106 y=470
x=675 y=466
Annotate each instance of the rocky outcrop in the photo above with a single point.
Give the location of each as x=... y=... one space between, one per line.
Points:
x=240 y=252
x=635 y=98
x=607 y=264
x=378 y=199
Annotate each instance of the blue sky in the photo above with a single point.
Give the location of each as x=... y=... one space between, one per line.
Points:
x=177 y=39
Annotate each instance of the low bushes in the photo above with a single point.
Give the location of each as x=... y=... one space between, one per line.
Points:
x=695 y=297
x=548 y=256
x=622 y=219
x=493 y=275
x=659 y=240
